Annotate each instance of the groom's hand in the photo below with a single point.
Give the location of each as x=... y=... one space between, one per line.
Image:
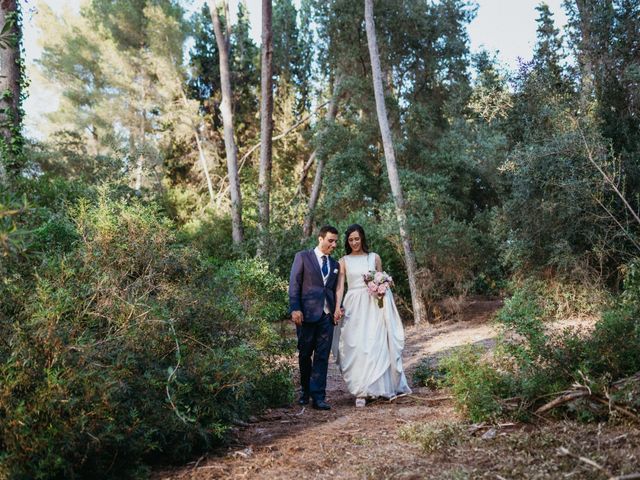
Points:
x=296 y=317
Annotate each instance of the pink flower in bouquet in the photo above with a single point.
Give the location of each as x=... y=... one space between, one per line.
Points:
x=377 y=285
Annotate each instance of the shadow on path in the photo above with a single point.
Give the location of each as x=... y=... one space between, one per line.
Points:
x=298 y=442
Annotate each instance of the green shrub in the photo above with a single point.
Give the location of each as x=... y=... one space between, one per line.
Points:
x=613 y=347
x=130 y=348
x=11 y=238
x=631 y=293
x=476 y=385
x=57 y=233
x=532 y=363
x=555 y=298
x=211 y=236
x=428 y=375
x=251 y=286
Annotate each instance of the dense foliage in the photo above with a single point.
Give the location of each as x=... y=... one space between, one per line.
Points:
x=533 y=364
x=500 y=169
x=132 y=329
x=122 y=345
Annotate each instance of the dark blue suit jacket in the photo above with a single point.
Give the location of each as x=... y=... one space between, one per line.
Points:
x=307 y=292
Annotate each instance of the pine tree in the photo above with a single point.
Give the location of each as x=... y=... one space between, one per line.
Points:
x=108 y=61
x=419 y=313
x=548 y=53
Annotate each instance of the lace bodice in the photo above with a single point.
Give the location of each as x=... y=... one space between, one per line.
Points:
x=357 y=266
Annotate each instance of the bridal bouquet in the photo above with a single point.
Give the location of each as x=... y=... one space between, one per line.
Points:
x=377 y=284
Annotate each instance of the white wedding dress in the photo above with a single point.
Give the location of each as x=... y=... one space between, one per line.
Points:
x=368 y=341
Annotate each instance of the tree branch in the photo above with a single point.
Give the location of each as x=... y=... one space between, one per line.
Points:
x=277 y=137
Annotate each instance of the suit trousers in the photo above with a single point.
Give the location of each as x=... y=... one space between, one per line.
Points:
x=314 y=340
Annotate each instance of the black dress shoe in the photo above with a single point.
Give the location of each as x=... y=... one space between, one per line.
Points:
x=303 y=400
x=321 y=405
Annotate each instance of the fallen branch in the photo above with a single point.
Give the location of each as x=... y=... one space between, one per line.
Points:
x=588 y=461
x=585 y=392
x=482 y=426
x=566 y=398
x=617 y=408
x=618 y=384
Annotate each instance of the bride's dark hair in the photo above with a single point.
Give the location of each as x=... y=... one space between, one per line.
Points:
x=363 y=238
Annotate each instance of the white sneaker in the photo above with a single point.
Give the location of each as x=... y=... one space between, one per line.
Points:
x=361 y=402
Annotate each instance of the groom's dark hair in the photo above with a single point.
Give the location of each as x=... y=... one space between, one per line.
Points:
x=363 y=238
x=327 y=229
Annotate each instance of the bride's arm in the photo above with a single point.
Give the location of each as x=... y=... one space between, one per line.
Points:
x=339 y=291
x=378 y=263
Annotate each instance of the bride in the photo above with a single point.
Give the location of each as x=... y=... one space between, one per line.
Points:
x=368 y=343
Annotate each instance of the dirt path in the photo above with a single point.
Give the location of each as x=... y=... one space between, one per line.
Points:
x=301 y=443
x=350 y=443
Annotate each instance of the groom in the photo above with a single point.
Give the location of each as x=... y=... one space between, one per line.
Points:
x=312 y=301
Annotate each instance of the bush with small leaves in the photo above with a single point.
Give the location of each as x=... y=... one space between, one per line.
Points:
x=532 y=363
x=129 y=348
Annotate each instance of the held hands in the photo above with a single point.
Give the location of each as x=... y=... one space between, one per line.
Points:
x=296 y=317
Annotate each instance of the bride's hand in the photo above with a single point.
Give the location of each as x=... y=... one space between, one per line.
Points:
x=337 y=315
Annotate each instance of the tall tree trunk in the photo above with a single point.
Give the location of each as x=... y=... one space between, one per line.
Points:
x=332 y=110
x=419 y=312
x=10 y=71
x=266 y=130
x=227 y=121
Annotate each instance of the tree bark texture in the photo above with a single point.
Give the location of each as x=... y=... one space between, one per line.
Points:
x=266 y=129
x=10 y=71
x=419 y=311
x=227 y=121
